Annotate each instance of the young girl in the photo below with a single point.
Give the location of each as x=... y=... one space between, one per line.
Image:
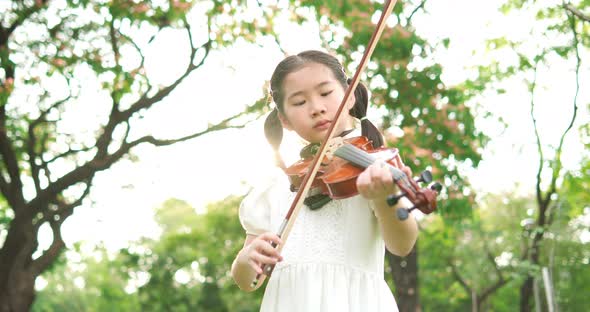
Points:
x=333 y=259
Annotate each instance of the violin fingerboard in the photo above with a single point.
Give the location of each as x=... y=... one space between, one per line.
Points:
x=362 y=159
x=355 y=155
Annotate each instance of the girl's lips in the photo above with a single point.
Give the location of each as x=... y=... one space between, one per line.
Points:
x=322 y=125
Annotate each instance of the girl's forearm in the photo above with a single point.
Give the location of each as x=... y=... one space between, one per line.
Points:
x=399 y=236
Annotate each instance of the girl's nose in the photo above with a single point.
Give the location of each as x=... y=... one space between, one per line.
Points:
x=317 y=108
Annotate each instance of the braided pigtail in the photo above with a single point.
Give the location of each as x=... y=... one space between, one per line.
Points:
x=273 y=131
x=359 y=110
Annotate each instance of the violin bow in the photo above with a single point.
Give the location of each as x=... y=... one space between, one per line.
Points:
x=291 y=215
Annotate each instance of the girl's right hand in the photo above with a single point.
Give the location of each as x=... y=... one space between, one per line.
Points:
x=260 y=251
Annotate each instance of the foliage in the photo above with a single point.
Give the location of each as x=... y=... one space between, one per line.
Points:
x=86 y=281
x=74 y=89
x=188 y=266
x=482 y=251
x=185 y=269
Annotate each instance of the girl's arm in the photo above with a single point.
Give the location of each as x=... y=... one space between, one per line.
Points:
x=376 y=183
x=399 y=236
x=256 y=252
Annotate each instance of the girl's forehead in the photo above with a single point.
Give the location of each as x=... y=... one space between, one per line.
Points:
x=308 y=76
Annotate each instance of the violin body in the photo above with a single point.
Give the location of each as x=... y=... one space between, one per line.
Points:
x=337 y=176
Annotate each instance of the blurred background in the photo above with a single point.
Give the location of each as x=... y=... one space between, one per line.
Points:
x=130 y=131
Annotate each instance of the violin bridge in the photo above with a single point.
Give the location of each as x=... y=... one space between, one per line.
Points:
x=332 y=145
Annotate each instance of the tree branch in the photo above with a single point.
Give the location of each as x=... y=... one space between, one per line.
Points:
x=32 y=140
x=146 y=102
x=499 y=283
x=13 y=187
x=537 y=135
x=224 y=124
x=55 y=219
x=138 y=50
x=67 y=153
x=458 y=277
x=85 y=171
x=114 y=43
x=24 y=15
x=493 y=288
x=40 y=264
x=273 y=33
x=421 y=5
x=557 y=163
x=569 y=7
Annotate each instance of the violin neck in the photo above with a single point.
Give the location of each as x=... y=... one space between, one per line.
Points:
x=362 y=159
x=355 y=155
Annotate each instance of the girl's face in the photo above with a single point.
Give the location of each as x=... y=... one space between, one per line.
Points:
x=312 y=98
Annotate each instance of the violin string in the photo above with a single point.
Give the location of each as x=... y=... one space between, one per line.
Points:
x=352 y=154
x=361 y=158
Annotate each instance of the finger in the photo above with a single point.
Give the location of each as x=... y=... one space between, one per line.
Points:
x=362 y=182
x=382 y=178
x=407 y=171
x=255 y=265
x=271 y=237
x=261 y=246
x=387 y=179
x=263 y=259
x=268 y=250
x=399 y=163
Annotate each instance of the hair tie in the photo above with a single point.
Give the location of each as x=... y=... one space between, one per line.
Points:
x=364 y=118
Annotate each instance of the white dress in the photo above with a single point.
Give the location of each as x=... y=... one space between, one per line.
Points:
x=332 y=259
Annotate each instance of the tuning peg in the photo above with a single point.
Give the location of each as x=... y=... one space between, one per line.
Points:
x=425 y=176
x=436 y=187
x=393 y=199
x=403 y=213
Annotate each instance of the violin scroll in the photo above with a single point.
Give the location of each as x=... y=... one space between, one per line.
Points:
x=424 y=199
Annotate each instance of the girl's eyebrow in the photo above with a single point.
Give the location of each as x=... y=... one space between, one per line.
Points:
x=319 y=85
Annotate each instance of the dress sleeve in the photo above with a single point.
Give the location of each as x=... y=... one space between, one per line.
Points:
x=255 y=210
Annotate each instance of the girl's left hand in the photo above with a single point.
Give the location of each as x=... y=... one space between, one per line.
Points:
x=376 y=182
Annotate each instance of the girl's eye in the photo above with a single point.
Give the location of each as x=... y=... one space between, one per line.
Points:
x=327 y=93
x=299 y=103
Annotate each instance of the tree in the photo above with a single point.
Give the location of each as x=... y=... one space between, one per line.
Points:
x=562 y=39
x=46 y=47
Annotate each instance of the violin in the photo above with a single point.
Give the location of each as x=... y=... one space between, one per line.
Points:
x=336 y=176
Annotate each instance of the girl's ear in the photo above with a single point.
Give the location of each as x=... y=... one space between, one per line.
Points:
x=286 y=124
x=351 y=102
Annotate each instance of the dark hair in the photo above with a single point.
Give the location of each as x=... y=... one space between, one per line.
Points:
x=273 y=129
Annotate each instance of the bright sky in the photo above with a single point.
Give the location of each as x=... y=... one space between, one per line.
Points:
x=214 y=166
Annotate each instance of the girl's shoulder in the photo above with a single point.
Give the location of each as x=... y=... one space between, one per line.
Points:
x=255 y=208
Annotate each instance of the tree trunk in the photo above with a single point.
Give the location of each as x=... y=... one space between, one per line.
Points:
x=18 y=292
x=405 y=276
x=526 y=290
x=526 y=293
x=17 y=281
